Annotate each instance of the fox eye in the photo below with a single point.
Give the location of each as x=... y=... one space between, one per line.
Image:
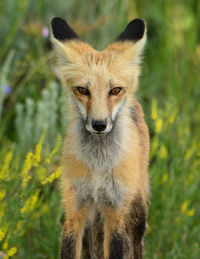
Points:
x=115 y=91
x=83 y=90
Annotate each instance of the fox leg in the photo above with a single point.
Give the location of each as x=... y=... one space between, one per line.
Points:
x=113 y=235
x=93 y=239
x=138 y=225
x=88 y=243
x=73 y=229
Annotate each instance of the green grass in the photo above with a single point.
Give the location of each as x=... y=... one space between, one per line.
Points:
x=31 y=214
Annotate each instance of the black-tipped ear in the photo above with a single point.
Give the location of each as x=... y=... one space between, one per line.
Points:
x=61 y=30
x=134 y=31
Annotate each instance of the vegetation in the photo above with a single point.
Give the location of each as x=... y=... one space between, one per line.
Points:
x=33 y=119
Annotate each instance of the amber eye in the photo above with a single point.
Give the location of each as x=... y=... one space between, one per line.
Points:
x=115 y=91
x=83 y=90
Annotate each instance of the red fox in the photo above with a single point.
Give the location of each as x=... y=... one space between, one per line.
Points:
x=106 y=150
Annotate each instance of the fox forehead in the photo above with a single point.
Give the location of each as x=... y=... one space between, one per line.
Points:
x=98 y=68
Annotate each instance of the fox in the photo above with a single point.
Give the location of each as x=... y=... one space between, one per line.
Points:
x=105 y=180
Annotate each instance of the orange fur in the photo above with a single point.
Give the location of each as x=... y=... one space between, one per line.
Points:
x=116 y=66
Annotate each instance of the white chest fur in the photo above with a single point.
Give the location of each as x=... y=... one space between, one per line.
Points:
x=100 y=190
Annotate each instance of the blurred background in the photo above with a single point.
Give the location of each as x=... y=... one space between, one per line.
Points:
x=34 y=117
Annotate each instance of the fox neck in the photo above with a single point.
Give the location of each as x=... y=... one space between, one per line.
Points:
x=103 y=153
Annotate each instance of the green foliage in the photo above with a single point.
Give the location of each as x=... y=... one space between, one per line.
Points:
x=32 y=104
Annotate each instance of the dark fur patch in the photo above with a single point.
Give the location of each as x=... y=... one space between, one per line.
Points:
x=87 y=243
x=138 y=225
x=61 y=30
x=134 y=31
x=116 y=246
x=68 y=247
x=138 y=214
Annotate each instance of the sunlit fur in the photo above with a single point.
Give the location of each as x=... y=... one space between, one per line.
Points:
x=103 y=173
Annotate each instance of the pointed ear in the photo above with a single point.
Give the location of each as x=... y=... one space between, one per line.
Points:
x=61 y=30
x=134 y=31
x=132 y=40
x=61 y=35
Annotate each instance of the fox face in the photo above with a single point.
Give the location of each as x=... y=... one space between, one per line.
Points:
x=100 y=83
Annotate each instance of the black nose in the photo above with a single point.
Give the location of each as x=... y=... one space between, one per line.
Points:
x=98 y=125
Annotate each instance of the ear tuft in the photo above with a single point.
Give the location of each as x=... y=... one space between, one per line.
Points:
x=61 y=30
x=134 y=31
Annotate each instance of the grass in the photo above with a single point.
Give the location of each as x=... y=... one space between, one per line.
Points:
x=33 y=119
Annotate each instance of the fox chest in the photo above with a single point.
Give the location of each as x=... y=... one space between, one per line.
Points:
x=99 y=191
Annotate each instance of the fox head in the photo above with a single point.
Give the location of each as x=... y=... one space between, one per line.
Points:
x=100 y=83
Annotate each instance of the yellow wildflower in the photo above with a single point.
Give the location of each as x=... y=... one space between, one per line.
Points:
x=26 y=168
x=163 y=152
x=3 y=232
x=184 y=206
x=38 y=150
x=158 y=125
x=53 y=176
x=191 y=212
x=6 y=165
x=54 y=151
x=11 y=252
x=165 y=178
x=2 y=194
x=5 y=244
x=19 y=231
x=154 y=110
x=41 y=174
x=30 y=203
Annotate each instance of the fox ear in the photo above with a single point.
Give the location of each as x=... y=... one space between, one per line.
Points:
x=61 y=34
x=134 y=31
x=61 y=30
x=132 y=40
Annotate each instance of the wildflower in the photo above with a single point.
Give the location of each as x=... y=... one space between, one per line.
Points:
x=26 y=168
x=5 y=244
x=11 y=252
x=173 y=116
x=45 y=32
x=6 y=165
x=38 y=150
x=2 y=194
x=158 y=125
x=191 y=212
x=189 y=153
x=154 y=110
x=41 y=173
x=163 y=152
x=3 y=232
x=54 y=151
x=19 y=230
x=30 y=203
x=184 y=206
x=7 y=89
x=53 y=176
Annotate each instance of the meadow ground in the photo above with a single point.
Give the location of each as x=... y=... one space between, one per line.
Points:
x=33 y=118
